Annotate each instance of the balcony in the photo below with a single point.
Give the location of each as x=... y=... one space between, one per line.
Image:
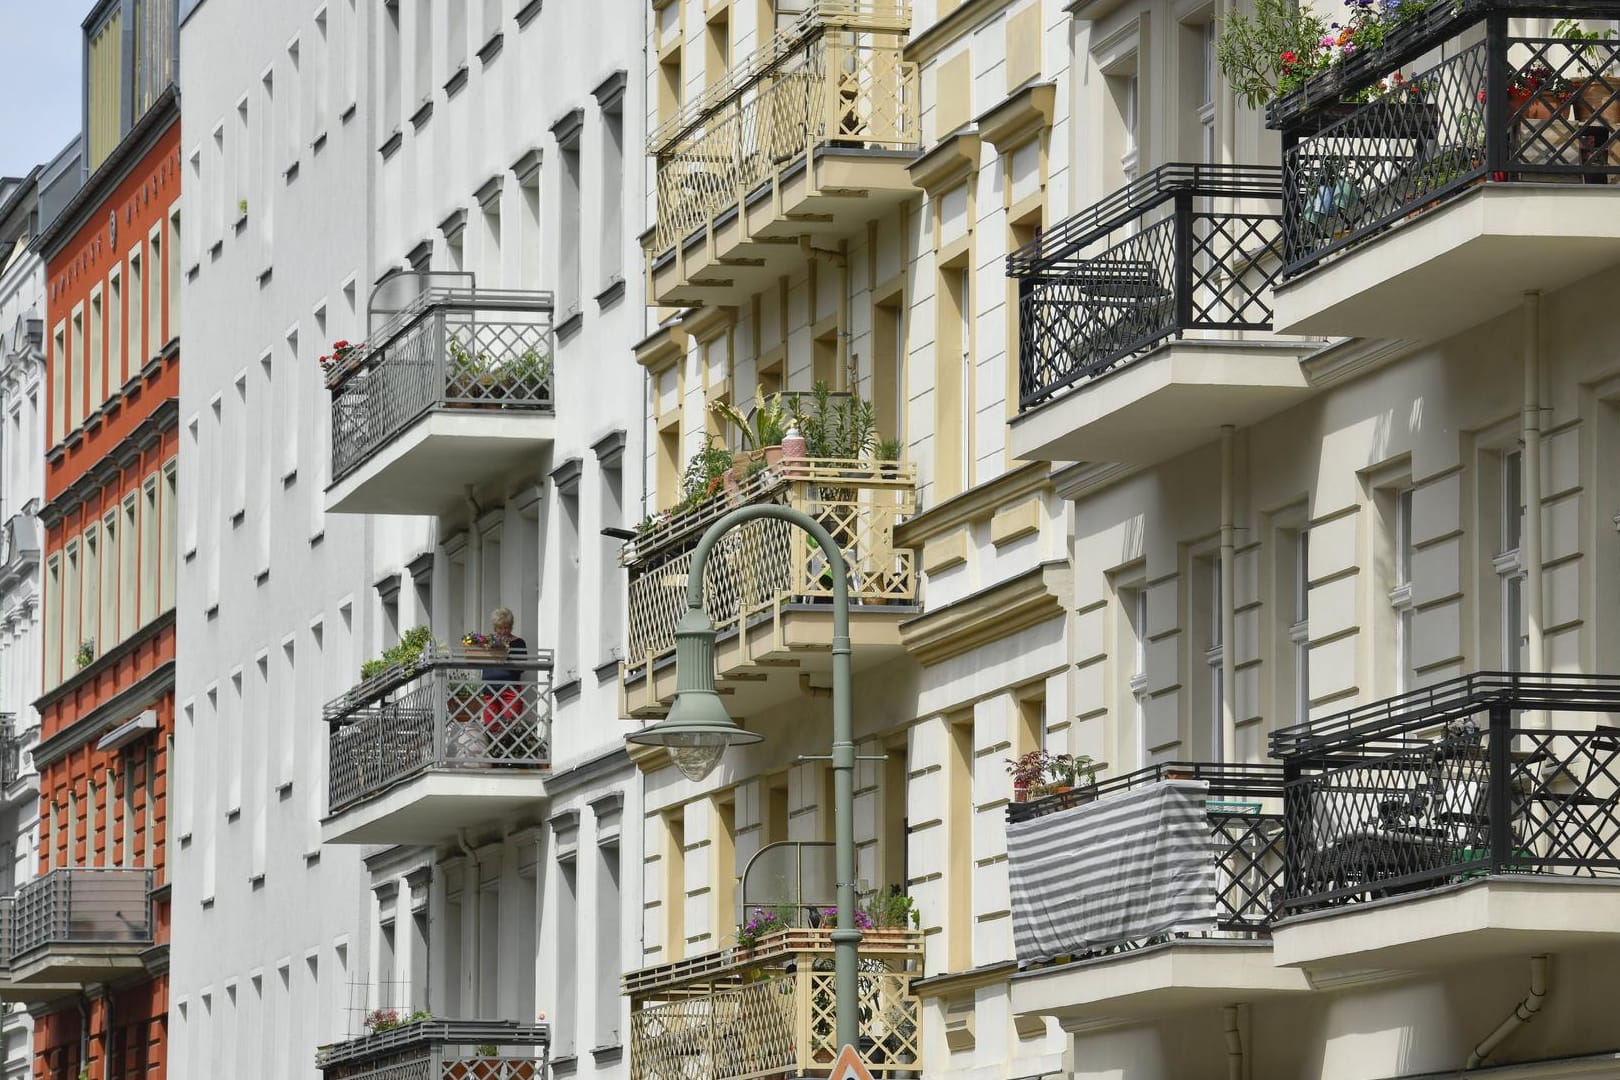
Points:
x=454 y=388
x=768 y=588
x=1143 y=321
x=1472 y=818
x=442 y=1050
x=10 y=751
x=768 y=1013
x=73 y=926
x=808 y=137
x=1148 y=893
x=421 y=751
x=1433 y=208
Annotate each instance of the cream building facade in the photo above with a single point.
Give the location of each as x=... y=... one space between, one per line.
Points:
x=1218 y=481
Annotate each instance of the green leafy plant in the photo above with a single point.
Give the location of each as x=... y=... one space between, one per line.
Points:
x=241 y=208
x=488 y=1050
x=1066 y=770
x=1582 y=41
x=763 y=426
x=888 y=450
x=893 y=908
x=1270 y=52
x=528 y=373
x=87 y=653
x=844 y=426
x=412 y=644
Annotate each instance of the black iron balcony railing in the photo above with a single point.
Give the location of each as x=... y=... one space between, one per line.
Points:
x=1449 y=783
x=453 y=709
x=442 y=1050
x=1507 y=109
x=81 y=905
x=451 y=347
x=1184 y=248
x=1243 y=810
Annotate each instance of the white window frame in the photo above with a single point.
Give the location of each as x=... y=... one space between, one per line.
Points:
x=1400 y=595
x=1299 y=631
x=1509 y=562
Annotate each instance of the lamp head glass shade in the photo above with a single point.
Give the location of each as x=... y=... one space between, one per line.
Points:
x=697 y=730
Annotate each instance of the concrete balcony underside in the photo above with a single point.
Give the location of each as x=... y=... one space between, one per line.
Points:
x=427 y=468
x=767 y=665
x=1498 y=916
x=744 y=250
x=66 y=968
x=1158 y=980
x=434 y=806
x=1174 y=399
x=1446 y=269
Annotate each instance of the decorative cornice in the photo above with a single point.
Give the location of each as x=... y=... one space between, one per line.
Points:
x=609 y=449
x=142 y=692
x=707 y=323
x=1349 y=358
x=949 y=163
x=490 y=190
x=609 y=93
x=661 y=348
x=1077 y=481
x=1036 y=596
x=565 y=477
x=1023 y=114
x=568 y=126
x=955 y=982
x=527 y=167
x=976 y=504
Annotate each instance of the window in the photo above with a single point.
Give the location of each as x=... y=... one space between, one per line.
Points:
x=135 y=348
x=455 y=38
x=173 y=290
x=1400 y=596
x=128 y=567
x=568 y=587
x=717 y=48
x=422 y=53
x=71 y=580
x=610 y=252
x=239 y=447
x=53 y=620
x=489 y=275
x=669 y=76
x=150 y=580
x=1134 y=602
x=605 y=914
x=492 y=18
x=90 y=592
x=528 y=258
x=110 y=556
x=1124 y=120
x=1209 y=81
x=320 y=90
x=76 y=369
x=567 y=960
x=267 y=150
x=674 y=884
x=95 y=355
x=290 y=413
x=609 y=616
x=59 y=384
x=155 y=305
x=351 y=69
x=169 y=565
x=568 y=241
x=391 y=72
x=1508 y=564
x=115 y=329
x=292 y=110
x=265 y=419
x=1212 y=658
x=888 y=362
x=953 y=455
x=243 y=159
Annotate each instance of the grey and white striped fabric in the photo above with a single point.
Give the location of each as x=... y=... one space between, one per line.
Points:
x=1124 y=868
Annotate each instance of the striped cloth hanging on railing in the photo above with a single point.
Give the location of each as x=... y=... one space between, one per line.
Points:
x=1123 y=869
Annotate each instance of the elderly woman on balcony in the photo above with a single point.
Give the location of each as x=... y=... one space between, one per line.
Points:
x=503 y=690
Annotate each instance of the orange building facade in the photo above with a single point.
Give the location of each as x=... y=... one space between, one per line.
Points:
x=90 y=953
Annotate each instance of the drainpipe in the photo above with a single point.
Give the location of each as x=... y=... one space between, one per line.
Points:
x=1228 y=613
x=1236 y=1064
x=1530 y=541
x=84 y=1033
x=1524 y=1012
x=477 y=916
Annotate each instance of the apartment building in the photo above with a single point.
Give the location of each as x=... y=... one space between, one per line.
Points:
x=421 y=209
x=1225 y=424
x=88 y=944
x=22 y=489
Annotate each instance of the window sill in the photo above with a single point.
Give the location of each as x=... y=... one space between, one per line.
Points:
x=453 y=86
x=566 y=691
x=491 y=48
x=608 y=669
x=612 y=293
x=607 y=1052
x=528 y=11
x=570 y=324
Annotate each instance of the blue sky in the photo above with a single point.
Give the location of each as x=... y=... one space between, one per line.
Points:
x=39 y=79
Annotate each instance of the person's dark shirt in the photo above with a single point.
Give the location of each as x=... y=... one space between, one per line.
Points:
x=516 y=649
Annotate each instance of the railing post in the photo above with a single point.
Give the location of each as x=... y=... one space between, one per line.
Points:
x=439 y=711
x=1183 y=260
x=1292 y=826
x=1499 y=800
x=1497 y=72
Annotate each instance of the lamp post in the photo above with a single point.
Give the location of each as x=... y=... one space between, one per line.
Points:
x=698 y=730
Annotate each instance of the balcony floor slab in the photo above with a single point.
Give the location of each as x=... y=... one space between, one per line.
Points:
x=46 y=970
x=434 y=806
x=427 y=469
x=1499 y=916
x=1458 y=265
x=1156 y=981
x=1172 y=400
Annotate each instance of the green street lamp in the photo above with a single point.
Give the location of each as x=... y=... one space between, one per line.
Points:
x=698 y=730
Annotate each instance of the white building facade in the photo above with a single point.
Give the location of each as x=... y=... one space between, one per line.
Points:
x=444 y=186
x=22 y=487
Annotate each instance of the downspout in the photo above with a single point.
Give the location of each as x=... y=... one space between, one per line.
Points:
x=1524 y=1012
x=1236 y=1065
x=477 y=915
x=1530 y=540
x=1228 y=747
x=84 y=1033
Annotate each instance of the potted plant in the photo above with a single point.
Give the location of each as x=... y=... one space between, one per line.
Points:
x=405 y=655
x=483 y=647
x=1536 y=92
x=1597 y=95
x=1028 y=772
x=888 y=453
x=526 y=376
x=892 y=910
x=759 y=925
x=342 y=351
x=1064 y=771
x=87 y=653
x=762 y=430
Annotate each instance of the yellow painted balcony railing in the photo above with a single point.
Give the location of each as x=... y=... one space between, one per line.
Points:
x=763 y=568
x=836 y=77
x=736 y=1015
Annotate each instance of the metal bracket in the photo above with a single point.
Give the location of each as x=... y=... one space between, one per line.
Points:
x=828 y=757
